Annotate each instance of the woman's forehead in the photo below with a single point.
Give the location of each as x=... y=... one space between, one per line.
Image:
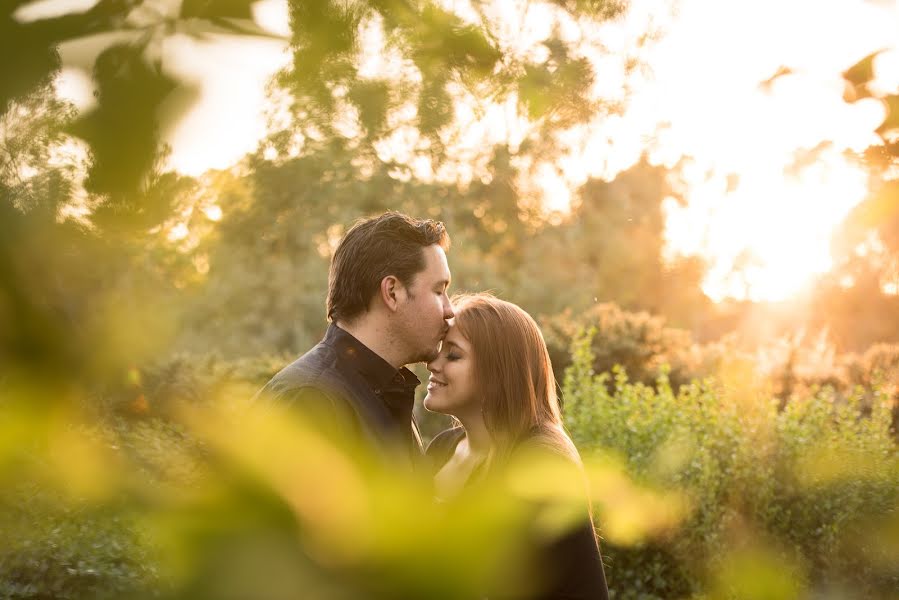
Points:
x=454 y=336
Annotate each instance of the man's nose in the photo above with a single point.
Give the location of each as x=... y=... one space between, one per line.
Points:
x=448 y=311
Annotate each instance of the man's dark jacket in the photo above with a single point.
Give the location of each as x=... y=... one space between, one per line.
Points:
x=341 y=378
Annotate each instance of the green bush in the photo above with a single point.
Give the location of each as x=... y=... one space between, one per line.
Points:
x=54 y=547
x=798 y=496
x=74 y=523
x=160 y=389
x=638 y=341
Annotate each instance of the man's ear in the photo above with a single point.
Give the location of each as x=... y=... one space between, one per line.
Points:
x=392 y=290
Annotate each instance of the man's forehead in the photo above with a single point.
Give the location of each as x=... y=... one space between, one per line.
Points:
x=436 y=264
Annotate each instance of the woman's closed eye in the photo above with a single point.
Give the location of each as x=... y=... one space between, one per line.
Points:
x=452 y=356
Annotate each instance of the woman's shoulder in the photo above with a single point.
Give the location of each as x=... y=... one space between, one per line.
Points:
x=442 y=447
x=551 y=442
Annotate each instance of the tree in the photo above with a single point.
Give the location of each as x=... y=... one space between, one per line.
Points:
x=83 y=295
x=858 y=300
x=132 y=83
x=439 y=55
x=443 y=53
x=610 y=250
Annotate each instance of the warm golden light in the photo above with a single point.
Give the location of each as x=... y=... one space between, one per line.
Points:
x=768 y=238
x=764 y=157
x=213 y=212
x=752 y=105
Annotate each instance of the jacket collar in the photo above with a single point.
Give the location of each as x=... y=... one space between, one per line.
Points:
x=379 y=373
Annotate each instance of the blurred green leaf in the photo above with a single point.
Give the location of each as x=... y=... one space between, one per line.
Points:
x=129 y=92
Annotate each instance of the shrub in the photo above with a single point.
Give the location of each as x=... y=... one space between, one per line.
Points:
x=159 y=389
x=792 y=493
x=71 y=525
x=57 y=547
x=639 y=342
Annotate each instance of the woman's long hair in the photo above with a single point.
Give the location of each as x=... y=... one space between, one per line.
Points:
x=513 y=374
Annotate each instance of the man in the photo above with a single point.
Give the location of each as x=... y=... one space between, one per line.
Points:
x=387 y=307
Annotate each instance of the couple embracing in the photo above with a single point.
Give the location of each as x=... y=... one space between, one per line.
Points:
x=388 y=307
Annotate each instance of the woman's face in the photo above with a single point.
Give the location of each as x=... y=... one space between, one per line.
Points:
x=451 y=385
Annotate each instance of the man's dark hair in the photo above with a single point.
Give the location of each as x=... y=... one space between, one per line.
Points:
x=373 y=248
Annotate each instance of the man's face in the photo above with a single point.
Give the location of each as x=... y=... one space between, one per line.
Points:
x=425 y=309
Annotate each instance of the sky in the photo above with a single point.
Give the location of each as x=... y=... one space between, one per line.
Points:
x=777 y=217
x=765 y=164
x=701 y=103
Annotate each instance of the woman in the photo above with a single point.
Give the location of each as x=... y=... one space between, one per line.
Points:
x=494 y=376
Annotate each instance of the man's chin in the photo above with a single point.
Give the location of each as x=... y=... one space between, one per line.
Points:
x=427 y=357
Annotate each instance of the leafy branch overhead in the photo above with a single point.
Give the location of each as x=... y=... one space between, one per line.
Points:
x=858 y=78
x=437 y=52
x=442 y=50
x=130 y=78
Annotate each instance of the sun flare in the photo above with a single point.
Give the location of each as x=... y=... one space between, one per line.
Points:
x=767 y=239
x=769 y=142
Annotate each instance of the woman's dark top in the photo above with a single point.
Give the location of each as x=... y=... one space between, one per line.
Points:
x=571 y=564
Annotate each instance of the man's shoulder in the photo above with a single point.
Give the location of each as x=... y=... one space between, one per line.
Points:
x=317 y=371
x=313 y=369
x=310 y=383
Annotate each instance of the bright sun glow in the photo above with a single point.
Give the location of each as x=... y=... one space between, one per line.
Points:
x=767 y=168
x=48 y=9
x=769 y=237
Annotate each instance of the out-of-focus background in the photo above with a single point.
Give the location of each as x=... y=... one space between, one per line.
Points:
x=698 y=201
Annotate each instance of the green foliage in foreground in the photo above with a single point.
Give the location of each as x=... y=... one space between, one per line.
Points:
x=709 y=492
x=783 y=503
